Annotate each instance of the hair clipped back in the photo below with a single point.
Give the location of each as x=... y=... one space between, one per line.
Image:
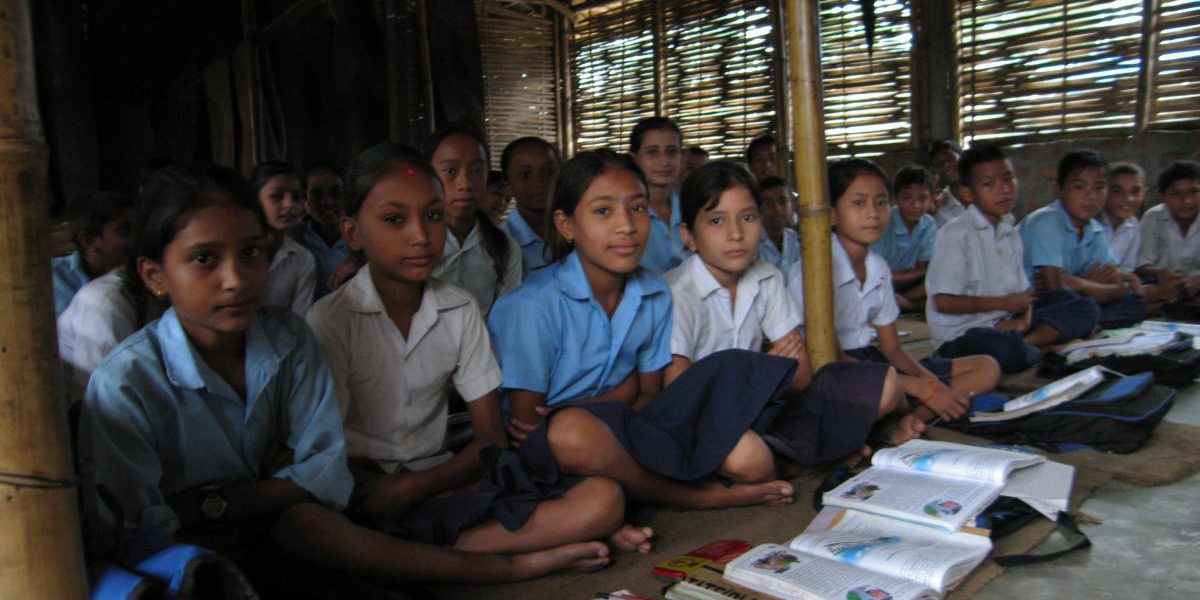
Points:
x=455 y=128
x=843 y=172
x=573 y=181
x=647 y=125
x=266 y=170
x=703 y=188
x=373 y=163
x=174 y=194
x=506 y=155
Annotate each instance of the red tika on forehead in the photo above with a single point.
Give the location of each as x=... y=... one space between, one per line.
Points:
x=410 y=171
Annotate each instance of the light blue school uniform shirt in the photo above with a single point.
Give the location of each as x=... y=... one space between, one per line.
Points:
x=767 y=252
x=901 y=248
x=69 y=275
x=1050 y=240
x=158 y=420
x=532 y=247
x=328 y=258
x=552 y=337
x=664 y=248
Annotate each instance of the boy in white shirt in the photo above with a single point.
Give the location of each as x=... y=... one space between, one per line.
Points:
x=1126 y=193
x=1170 y=248
x=979 y=297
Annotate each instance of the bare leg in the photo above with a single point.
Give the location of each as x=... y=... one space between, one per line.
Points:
x=974 y=375
x=313 y=532
x=750 y=461
x=584 y=445
x=1042 y=336
x=591 y=510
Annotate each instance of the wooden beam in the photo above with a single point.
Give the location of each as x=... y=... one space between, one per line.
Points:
x=660 y=63
x=779 y=64
x=1149 y=64
x=426 y=68
x=41 y=549
x=808 y=141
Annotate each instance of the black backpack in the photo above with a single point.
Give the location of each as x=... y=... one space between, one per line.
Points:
x=1117 y=416
x=1176 y=366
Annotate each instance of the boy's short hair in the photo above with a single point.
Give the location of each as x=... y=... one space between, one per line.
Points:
x=1177 y=171
x=843 y=172
x=975 y=156
x=764 y=139
x=912 y=175
x=90 y=212
x=1126 y=168
x=940 y=145
x=697 y=151
x=650 y=124
x=772 y=181
x=1078 y=160
x=703 y=188
x=323 y=166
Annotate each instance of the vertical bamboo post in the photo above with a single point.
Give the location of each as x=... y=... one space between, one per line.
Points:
x=779 y=65
x=391 y=24
x=808 y=141
x=1149 y=60
x=426 y=68
x=660 y=65
x=41 y=553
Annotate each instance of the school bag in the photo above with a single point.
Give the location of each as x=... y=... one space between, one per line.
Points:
x=1117 y=416
x=1176 y=366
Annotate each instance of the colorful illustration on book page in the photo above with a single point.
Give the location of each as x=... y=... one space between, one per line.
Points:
x=868 y=592
x=942 y=508
x=923 y=460
x=862 y=491
x=853 y=552
x=776 y=562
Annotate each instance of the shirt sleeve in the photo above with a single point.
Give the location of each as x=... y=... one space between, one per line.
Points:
x=888 y=309
x=512 y=270
x=124 y=509
x=98 y=323
x=333 y=343
x=929 y=237
x=1043 y=243
x=306 y=284
x=949 y=270
x=795 y=287
x=525 y=337
x=315 y=426
x=476 y=372
x=683 y=324
x=781 y=315
x=1148 y=252
x=657 y=354
x=1101 y=251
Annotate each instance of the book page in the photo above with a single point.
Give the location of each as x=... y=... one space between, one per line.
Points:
x=924 y=498
x=933 y=558
x=954 y=460
x=1045 y=487
x=782 y=571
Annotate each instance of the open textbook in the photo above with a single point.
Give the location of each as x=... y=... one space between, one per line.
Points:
x=843 y=553
x=938 y=484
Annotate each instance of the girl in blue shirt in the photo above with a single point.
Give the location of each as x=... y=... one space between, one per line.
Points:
x=217 y=424
x=529 y=165
x=594 y=328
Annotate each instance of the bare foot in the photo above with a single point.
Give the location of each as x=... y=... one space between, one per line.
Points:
x=582 y=558
x=858 y=457
x=632 y=539
x=898 y=431
x=771 y=493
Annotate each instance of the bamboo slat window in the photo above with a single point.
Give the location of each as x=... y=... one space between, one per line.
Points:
x=719 y=85
x=517 y=48
x=612 y=73
x=868 y=95
x=1036 y=70
x=1176 y=91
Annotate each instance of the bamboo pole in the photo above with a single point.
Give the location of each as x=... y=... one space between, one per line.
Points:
x=808 y=140
x=41 y=551
x=660 y=66
x=1149 y=57
x=779 y=65
x=426 y=67
x=391 y=24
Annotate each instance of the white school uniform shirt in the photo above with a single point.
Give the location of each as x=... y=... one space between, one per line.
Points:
x=704 y=321
x=1163 y=245
x=469 y=266
x=857 y=308
x=101 y=314
x=973 y=258
x=1124 y=240
x=392 y=389
x=292 y=277
x=949 y=207
x=782 y=260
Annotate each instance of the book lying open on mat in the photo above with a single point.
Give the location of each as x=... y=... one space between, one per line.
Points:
x=937 y=484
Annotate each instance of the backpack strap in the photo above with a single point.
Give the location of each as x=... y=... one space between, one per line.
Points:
x=1070 y=527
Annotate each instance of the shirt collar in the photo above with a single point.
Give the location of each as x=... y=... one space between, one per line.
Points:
x=520 y=230
x=1106 y=221
x=897 y=221
x=266 y=347
x=362 y=296
x=843 y=271
x=573 y=281
x=1006 y=225
x=307 y=235
x=1090 y=228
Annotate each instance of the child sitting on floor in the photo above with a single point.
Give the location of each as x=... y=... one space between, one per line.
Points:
x=292 y=276
x=529 y=165
x=321 y=232
x=101 y=227
x=1065 y=248
x=722 y=298
x=1170 y=247
x=779 y=243
x=592 y=332
x=907 y=243
x=979 y=298
x=217 y=424
x=1126 y=193
x=865 y=300
x=943 y=160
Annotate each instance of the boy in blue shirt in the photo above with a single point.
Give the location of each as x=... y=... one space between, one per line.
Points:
x=1065 y=248
x=101 y=226
x=779 y=244
x=907 y=243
